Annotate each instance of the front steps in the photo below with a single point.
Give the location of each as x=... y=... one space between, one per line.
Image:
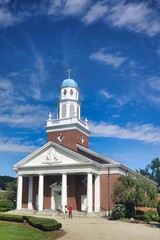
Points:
x=52 y=213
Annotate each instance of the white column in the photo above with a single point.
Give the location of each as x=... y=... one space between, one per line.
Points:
x=40 y=192
x=19 y=192
x=64 y=191
x=30 y=193
x=97 y=194
x=89 y=192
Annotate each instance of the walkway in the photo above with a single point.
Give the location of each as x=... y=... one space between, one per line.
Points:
x=87 y=228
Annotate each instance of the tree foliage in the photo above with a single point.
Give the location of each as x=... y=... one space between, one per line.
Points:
x=152 y=170
x=4 y=180
x=9 y=185
x=135 y=192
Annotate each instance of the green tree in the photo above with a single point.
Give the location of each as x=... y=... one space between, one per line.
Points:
x=10 y=192
x=4 y=180
x=135 y=192
x=152 y=170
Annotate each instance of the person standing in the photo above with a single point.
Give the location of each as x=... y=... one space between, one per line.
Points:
x=70 y=212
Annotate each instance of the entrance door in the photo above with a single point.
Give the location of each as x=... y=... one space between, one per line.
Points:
x=83 y=202
x=57 y=199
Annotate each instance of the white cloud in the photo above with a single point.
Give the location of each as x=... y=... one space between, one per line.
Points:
x=154 y=83
x=8 y=17
x=120 y=100
x=134 y=16
x=14 y=145
x=105 y=94
x=96 y=12
x=73 y=7
x=137 y=17
x=158 y=50
x=67 y=7
x=144 y=132
x=107 y=58
x=154 y=99
x=16 y=112
x=24 y=115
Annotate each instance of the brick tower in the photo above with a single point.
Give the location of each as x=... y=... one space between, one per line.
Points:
x=68 y=129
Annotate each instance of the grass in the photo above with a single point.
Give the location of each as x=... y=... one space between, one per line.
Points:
x=16 y=231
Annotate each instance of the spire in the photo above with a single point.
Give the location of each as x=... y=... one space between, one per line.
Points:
x=69 y=73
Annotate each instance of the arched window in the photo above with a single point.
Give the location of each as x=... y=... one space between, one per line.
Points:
x=63 y=110
x=71 y=114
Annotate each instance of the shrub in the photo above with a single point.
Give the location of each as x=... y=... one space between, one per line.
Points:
x=139 y=217
x=118 y=211
x=152 y=214
x=8 y=217
x=44 y=224
x=3 y=209
x=158 y=208
x=139 y=212
x=6 y=205
x=147 y=218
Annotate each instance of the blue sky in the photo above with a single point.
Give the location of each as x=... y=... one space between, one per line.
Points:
x=113 y=49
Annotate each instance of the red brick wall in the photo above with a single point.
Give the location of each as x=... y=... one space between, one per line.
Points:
x=71 y=137
x=71 y=200
x=106 y=198
x=81 y=189
x=49 y=180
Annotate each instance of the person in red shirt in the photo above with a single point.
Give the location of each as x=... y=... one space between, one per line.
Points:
x=70 y=212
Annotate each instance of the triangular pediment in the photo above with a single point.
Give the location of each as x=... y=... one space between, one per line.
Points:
x=51 y=154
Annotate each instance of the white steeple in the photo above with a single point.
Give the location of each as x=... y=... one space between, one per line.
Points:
x=69 y=106
x=68 y=129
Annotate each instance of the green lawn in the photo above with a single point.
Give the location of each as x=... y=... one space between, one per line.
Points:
x=16 y=231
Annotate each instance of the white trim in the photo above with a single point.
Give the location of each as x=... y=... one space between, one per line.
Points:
x=64 y=191
x=30 y=193
x=40 y=192
x=19 y=192
x=97 y=194
x=89 y=192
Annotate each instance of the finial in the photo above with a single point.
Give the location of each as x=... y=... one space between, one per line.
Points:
x=86 y=121
x=50 y=116
x=69 y=73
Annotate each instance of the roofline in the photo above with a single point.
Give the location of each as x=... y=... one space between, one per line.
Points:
x=105 y=158
x=58 y=146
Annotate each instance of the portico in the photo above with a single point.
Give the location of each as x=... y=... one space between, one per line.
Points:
x=62 y=191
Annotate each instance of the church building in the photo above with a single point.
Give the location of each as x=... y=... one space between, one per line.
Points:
x=65 y=171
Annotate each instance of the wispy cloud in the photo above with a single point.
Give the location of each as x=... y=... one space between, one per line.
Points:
x=119 y=100
x=14 y=145
x=104 y=93
x=15 y=111
x=154 y=83
x=137 y=17
x=68 y=7
x=132 y=131
x=95 y=13
x=108 y=58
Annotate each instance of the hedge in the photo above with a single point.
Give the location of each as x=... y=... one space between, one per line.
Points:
x=14 y=218
x=44 y=224
x=40 y=223
x=6 y=205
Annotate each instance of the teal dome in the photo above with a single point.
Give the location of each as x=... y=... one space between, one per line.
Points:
x=69 y=83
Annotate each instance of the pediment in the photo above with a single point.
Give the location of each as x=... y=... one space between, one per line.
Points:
x=51 y=154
